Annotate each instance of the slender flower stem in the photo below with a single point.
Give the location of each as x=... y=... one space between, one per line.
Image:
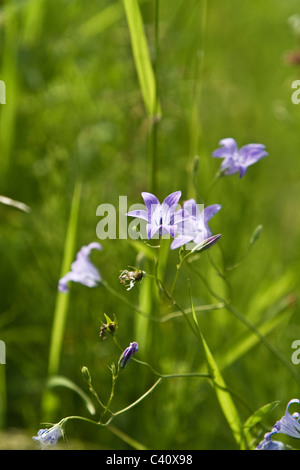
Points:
x=178 y=267
x=174 y=302
x=213 y=183
x=93 y=391
x=165 y=318
x=112 y=392
x=251 y=327
x=124 y=299
x=139 y=399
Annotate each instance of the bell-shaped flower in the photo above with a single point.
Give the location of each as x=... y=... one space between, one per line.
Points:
x=82 y=269
x=162 y=218
x=48 y=437
x=268 y=444
x=238 y=160
x=195 y=227
x=127 y=354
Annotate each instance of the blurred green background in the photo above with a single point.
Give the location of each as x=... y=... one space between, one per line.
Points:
x=74 y=109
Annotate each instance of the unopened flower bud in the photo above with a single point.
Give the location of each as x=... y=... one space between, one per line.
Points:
x=86 y=374
x=127 y=354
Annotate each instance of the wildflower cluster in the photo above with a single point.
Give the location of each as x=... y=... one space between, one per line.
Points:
x=187 y=225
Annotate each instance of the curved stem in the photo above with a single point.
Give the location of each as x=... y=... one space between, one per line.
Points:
x=139 y=399
x=251 y=327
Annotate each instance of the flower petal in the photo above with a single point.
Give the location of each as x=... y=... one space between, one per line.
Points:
x=140 y=214
x=180 y=241
x=150 y=201
x=172 y=200
x=229 y=148
x=82 y=269
x=152 y=230
x=192 y=207
x=210 y=211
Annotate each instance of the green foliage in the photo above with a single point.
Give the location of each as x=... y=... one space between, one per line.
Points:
x=82 y=85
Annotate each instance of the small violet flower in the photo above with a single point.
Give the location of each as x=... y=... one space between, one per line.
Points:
x=48 y=437
x=237 y=160
x=127 y=354
x=82 y=269
x=194 y=227
x=289 y=424
x=161 y=218
x=268 y=444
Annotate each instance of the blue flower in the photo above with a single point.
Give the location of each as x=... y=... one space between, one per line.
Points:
x=127 y=354
x=82 y=269
x=48 y=437
x=238 y=160
x=268 y=444
x=289 y=424
x=194 y=227
x=161 y=218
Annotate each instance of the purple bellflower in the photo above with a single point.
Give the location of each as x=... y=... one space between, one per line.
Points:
x=237 y=160
x=161 y=218
x=195 y=227
x=289 y=424
x=48 y=437
x=82 y=269
x=268 y=444
x=127 y=354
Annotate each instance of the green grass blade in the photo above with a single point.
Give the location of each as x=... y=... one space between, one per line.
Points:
x=241 y=347
x=103 y=20
x=125 y=438
x=223 y=395
x=259 y=414
x=9 y=74
x=3 y=400
x=62 y=300
x=141 y=55
x=60 y=381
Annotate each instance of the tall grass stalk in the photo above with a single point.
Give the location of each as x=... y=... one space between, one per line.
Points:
x=146 y=75
x=9 y=75
x=195 y=122
x=223 y=395
x=62 y=301
x=3 y=399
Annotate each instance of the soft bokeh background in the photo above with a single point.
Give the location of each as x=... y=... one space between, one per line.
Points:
x=74 y=108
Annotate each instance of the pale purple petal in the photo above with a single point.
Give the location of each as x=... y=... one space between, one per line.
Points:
x=236 y=160
x=140 y=214
x=210 y=211
x=82 y=269
x=229 y=148
x=181 y=215
x=192 y=208
x=168 y=208
x=229 y=166
x=194 y=228
x=202 y=235
x=180 y=241
x=288 y=424
x=48 y=437
x=152 y=230
x=251 y=153
x=172 y=200
x=268 y=444
x=150 y=201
